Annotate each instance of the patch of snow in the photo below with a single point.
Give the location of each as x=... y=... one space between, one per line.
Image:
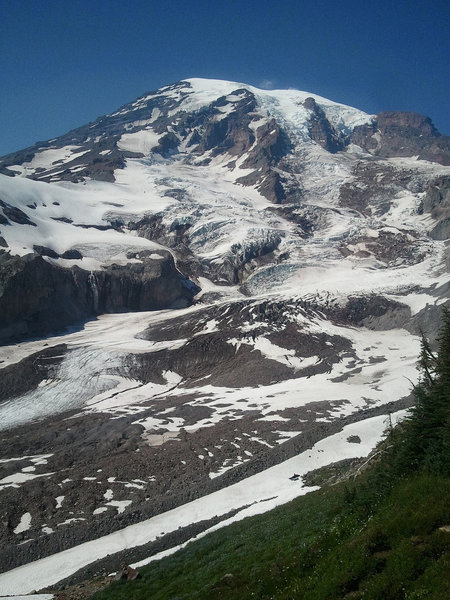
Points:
x=119 y=504
x=99 y=510
x=109 y=494
x=24 y=524
x=141 y=141
x=72 y=520
x=18 y=478
x=47 y=530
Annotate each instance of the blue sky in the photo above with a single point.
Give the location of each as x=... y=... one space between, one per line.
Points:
x=63 y=63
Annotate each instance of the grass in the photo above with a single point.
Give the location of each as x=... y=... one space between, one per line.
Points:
x=338 y=542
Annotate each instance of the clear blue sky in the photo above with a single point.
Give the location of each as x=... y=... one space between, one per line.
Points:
x=65 y=62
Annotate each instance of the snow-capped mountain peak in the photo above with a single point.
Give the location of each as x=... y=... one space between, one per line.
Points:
x=246 y=271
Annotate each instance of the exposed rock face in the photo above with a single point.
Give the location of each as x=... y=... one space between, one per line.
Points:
x=52 y=297
x=403 y=134
x=437 y=202
x=375 y=183
x=14 y=214
x=231 y=133
x=321 y=130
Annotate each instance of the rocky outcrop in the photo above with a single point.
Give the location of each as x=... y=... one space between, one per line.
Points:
x=14 y=214
x=403 y=134
x=321 y=130
x=27 y=374
x=374 y=312
x=245 y=257
x=37 y=297
x=230 y=133
x=271 y=145
x=437 y=202
x=375 y=184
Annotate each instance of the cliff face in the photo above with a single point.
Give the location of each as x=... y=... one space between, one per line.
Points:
x=436 y=202
x=403 y=134
x=37 y=297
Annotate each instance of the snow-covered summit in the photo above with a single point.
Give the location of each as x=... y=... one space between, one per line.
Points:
x=288 y=104
x=242 y=186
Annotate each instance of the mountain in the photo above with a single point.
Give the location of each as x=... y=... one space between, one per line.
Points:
x=202 y=295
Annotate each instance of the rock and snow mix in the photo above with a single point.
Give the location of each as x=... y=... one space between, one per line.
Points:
x=318 y=253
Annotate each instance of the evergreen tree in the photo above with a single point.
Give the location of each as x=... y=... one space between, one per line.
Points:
x=424 y=442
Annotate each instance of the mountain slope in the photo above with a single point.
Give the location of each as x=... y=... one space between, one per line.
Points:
x=303 y=243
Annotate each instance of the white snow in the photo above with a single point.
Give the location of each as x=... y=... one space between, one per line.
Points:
x=86 y=205
x=99 y=510
x=17 y=478
x=24 y=524
x=49 y=158
x=119 y=504
x=141 y=141
x=72 y=520
x=285 y=103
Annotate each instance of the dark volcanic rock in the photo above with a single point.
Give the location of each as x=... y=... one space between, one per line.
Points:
x=374 y=186
x=72 y=254
x=403 y=134
x=437 y=202
x=52 y=298
x=231 y=133
x=44 y=251
x=167 y=144
x=15 y=215
x=321 y=130
x=374 y=312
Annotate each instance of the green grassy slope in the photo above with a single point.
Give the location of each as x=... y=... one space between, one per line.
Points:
x=328 y=544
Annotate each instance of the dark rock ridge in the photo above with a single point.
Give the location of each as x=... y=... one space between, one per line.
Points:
x=19 y=378
x=37 y=297
x=375 y=184
x=405 y=134
x=231 y=133
x=437 y=202
x=14 y=214
x=321 y=130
